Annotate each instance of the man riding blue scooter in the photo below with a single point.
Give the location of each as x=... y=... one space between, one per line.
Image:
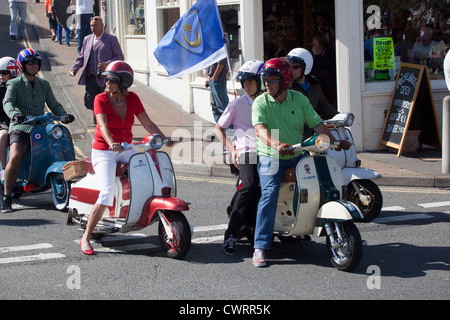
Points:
x=26 y=96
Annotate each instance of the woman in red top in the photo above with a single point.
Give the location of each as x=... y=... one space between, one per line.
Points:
x=114 y=110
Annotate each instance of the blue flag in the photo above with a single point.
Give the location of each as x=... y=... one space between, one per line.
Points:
x=195 y=42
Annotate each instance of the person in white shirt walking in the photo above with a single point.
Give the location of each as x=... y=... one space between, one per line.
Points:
x=85 y=12
x=18 y=10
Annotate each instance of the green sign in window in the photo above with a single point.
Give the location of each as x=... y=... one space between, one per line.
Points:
x=383 y=53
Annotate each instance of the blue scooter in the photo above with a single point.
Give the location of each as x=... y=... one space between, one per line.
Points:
x=41 y=167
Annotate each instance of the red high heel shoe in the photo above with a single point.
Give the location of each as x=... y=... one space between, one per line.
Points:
x=89 y=252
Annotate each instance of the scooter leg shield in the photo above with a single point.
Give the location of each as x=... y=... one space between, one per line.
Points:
x=154 y=204
x=337 y=211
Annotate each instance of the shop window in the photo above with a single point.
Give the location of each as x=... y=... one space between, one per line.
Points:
x=229 y=14
x=169 y=14
x=290 y=24
x=412 y=34
x=135 y=13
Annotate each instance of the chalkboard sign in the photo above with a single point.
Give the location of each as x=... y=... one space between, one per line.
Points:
x=412 y=107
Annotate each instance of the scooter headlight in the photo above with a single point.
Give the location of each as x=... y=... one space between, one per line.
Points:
x=323 y=142
x=56 y=133
x=156 y=142
x=349 y=120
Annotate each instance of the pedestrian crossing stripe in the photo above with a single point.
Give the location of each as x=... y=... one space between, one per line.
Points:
x=39 y=257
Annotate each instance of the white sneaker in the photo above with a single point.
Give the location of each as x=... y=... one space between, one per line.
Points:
x=259 y=258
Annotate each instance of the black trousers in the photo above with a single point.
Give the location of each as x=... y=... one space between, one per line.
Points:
x=92 y=89
x=246 y=202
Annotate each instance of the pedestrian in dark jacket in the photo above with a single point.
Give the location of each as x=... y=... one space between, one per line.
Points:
x=302 y=62
x=62 y=11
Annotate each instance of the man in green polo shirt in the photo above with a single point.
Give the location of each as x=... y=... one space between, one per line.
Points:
x=278 y=116
x=25 y=95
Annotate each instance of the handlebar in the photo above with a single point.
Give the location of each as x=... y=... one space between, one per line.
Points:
x=299 y=147
x=47 y=117
x=318 y=143
x=153 y=142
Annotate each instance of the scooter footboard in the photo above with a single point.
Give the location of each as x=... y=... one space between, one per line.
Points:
x=154 y=204
x=335 y=211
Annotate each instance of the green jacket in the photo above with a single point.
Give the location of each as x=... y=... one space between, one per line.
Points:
x=22 y=98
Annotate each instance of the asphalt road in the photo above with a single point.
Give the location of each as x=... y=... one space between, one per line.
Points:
x=407 y=256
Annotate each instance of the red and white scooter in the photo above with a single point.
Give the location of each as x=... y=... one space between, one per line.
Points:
x=145 y=193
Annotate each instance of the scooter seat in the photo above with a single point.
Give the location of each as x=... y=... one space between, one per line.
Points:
x=289 y=175
x=122 y=167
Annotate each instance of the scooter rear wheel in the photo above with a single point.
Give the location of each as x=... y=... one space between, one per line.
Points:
x=179 y=245
x=372 y=192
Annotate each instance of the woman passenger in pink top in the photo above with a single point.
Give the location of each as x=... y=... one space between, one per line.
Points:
x=239 y=113
x=114 y=110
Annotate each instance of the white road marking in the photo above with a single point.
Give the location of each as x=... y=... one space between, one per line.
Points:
x=434 y=204
x=211 y=228
x=393 y=208
x=41 y=256
x=25 y=248
x=39 y=246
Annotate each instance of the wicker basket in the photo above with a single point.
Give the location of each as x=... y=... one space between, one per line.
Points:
x=74 y=169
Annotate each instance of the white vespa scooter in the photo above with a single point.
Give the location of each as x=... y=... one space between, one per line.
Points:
x=311 y=202
x=145 y=193
x=361 y=189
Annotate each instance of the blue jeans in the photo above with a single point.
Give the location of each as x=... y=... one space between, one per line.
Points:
x=60 y=28
x=84 y=23
x=18 y=10
x=270 y=172
x=219 y=97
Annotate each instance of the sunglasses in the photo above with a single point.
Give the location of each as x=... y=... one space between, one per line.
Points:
x=4 y=72
x=113 y=80
x=32 y=62
x=271 y=81
x=296 y=67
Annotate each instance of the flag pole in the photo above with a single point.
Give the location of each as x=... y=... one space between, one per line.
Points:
x=231 y=75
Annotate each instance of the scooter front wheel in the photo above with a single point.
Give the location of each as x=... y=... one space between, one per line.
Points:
x=344 y=245
x=60 y=191
x=174 y=234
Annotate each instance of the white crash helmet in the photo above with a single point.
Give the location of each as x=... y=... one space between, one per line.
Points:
x=251 y=70
x=9 y=64
x=303 y=57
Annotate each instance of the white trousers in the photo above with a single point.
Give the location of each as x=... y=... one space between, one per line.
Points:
x=105 y=164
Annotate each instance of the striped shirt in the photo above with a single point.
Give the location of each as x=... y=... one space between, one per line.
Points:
x=22 y=98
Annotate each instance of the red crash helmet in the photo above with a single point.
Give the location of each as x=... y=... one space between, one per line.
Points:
x=121 y=70
x=279 y=67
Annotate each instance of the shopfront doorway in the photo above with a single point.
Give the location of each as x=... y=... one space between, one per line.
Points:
x=290 y=24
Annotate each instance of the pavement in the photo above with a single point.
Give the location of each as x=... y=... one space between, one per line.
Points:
x=197 y=154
